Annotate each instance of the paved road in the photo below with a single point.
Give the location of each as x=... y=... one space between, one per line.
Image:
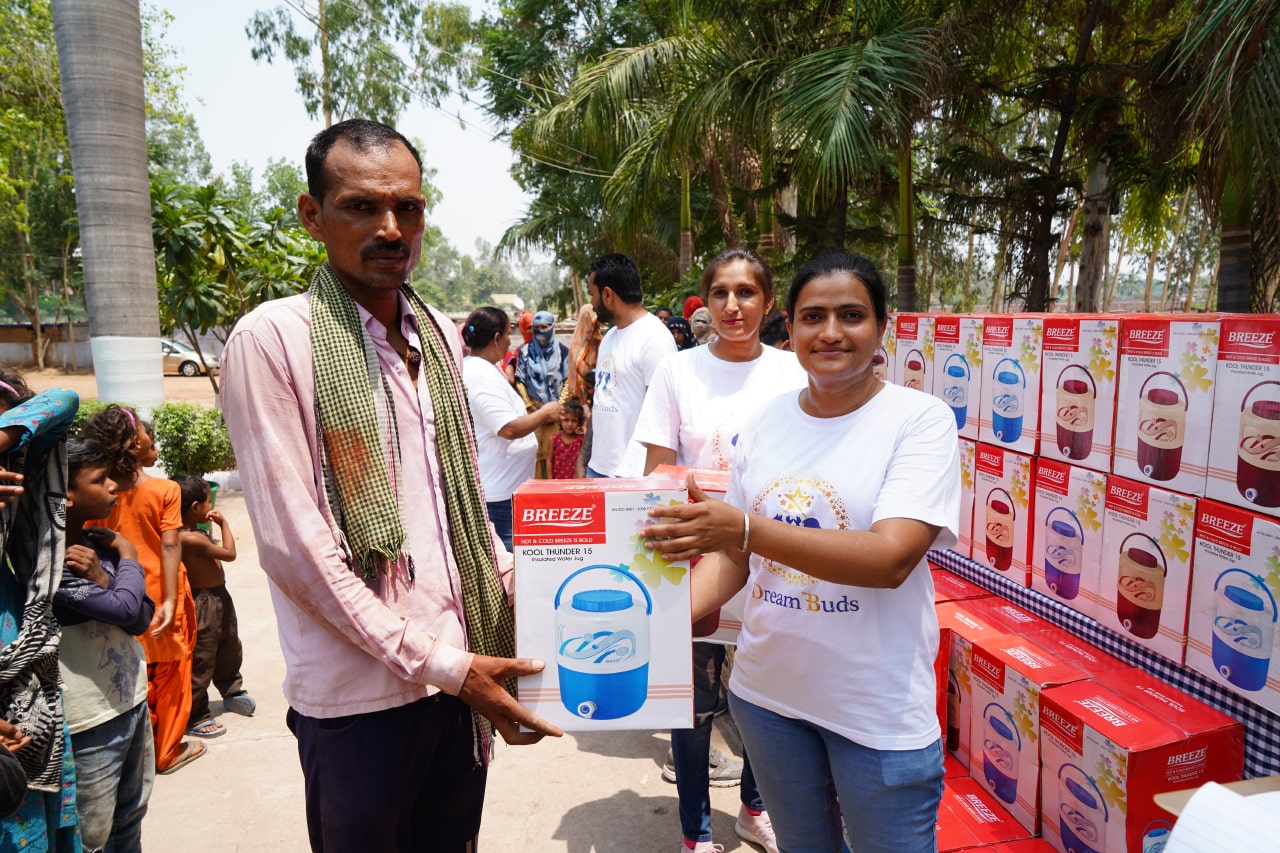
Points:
x=580 y=794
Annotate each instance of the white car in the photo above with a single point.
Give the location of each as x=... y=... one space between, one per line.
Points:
x=181 y=358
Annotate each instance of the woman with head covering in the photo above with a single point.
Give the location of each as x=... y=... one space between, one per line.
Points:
x=681 y=331
x=542 y=365
x=693 y=303
x=704 y=331
x=525 y=323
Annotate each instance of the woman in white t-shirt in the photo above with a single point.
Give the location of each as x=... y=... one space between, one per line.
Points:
x=505 y=444
x=692 y=413
x=837 y=492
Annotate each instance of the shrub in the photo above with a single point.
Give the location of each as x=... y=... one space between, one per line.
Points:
x=193 y=439
x=88 y=408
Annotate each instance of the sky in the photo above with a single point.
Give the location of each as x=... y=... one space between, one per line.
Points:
x=249 y=112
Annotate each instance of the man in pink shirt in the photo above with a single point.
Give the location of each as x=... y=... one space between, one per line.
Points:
x=390 y=590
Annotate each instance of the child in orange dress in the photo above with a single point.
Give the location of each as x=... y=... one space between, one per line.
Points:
x=148 y=513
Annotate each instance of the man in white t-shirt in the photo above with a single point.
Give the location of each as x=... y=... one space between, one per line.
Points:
x=629 y=355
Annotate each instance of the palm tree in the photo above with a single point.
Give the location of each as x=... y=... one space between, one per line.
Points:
x=100 y=58
x=1228 y=64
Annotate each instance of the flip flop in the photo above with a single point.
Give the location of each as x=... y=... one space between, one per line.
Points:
x=239 y=703
x=191 y=750
x=208 y=729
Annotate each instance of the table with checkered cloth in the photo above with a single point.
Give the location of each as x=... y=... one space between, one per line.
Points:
x=1261 y=727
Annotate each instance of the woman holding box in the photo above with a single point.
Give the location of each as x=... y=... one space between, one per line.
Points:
x=837 y=492
x=692 y=412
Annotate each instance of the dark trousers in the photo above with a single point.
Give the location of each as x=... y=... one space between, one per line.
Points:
x=404 y=779
x=217 y=655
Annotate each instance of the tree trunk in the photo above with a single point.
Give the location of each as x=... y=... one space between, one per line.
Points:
x=1042 y=233
x=1064 y=250
x=724 y=206
x=906 y=228
x=686 y=226
x=1173 y=270
x=1195 y=267
x=1093 y=242
x=325 y=93
x=1151 y=274
x=100 y=60
x=1115 y=273
x=1235 y=243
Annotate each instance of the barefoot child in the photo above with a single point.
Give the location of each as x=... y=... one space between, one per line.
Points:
x=566 y=445
x=102 y=606
x=218 y=653
x=148 y=513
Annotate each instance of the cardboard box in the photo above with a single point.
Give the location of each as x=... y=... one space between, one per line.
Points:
x=968 y=816
x=1009 y=675
x=914 y=362
x=957 y=368
x=1105 y=757
x=715 y=482
x=1164 y=407
x=1009 y=415
x=1030 y=845
x=1244 y=448
x=609 y=616
x=951 y=587
x=884 y=362
x=1002 y=509
x=1078 y=391
x=1232 y=632
x=968 y=465
x=1067 y=533
x=1146 y=565
x=960 y=629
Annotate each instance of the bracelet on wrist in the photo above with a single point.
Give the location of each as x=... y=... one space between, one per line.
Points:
x=746 y=532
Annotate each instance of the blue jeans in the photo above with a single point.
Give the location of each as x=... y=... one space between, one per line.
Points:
x=808 y=775
x=115 y=769
x=691 y=748
x=500 y=515
x=595 y=475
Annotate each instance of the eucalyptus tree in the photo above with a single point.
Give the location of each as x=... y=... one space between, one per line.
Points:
x=370 y=59
x=100 y=60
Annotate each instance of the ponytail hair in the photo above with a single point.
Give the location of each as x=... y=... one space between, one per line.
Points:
x=483 y=325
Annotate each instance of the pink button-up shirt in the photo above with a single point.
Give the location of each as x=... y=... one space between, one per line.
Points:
x=333 y=623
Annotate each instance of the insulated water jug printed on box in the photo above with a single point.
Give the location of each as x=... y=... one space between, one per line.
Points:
x=1162 y=425
x=1001 y=515
x=1082 y=811
x=1140 y=585
x=955 y=379
x=1063 y=552
x=1001 y=747
x=1244 y=628
x=1258 y=448
x=1077 y=400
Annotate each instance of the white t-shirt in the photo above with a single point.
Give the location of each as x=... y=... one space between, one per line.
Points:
x=504 y=464
x=854 y=660
x=104 y=673
x=625 y=366
x=697 y=403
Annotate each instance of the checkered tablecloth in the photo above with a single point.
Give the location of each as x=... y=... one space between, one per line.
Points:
x=1261 y=727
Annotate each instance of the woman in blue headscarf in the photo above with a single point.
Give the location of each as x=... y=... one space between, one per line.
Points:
x=541 y=368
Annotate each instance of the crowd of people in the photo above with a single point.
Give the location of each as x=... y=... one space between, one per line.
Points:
x=113 y=624
x=379 y=446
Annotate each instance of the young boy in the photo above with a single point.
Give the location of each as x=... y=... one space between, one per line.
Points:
x=566 y=444
x=218 y=654
x=103 y=606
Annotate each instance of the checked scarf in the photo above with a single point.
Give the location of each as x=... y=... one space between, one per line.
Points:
x=354 y=410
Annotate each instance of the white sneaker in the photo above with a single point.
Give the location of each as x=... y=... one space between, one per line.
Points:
x=723 y=770
x=757 y=829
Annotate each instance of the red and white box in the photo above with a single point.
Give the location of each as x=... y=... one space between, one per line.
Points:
x=1232 y=631
x=1106 y=756
x=884 y=361
x=960 y=628
x=1030 y=845
x=957 y=368
x=914 y=362
x=948 y=586
x=728 y=622
x=1009 y=675
x=1244 y=448
x=1003 y=487
x=1067 y=533
x=1164 y=406
x=1145 y=580
x=1078 y=391
x=968 y=463
x=968 y=816
x=1009 y=411
x=609 y=616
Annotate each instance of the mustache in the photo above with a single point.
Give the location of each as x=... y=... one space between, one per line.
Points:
x=385 y=247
